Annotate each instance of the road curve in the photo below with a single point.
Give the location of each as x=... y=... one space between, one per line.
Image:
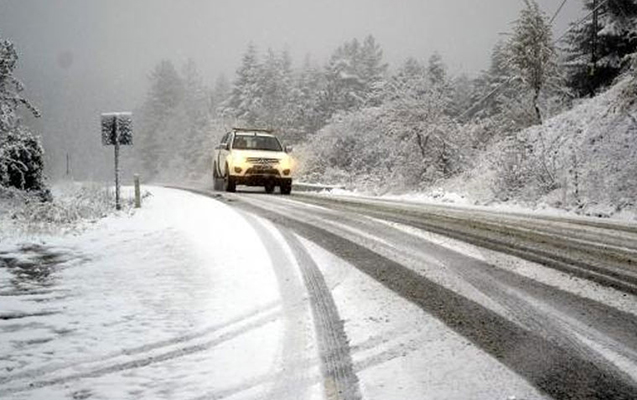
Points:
x=553 y=338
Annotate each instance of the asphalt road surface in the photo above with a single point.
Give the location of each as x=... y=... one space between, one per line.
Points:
x=567 y=345
x=211 y=295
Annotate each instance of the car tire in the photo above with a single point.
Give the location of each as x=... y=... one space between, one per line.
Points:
x=286 y=188
x=269 y=188
x=217 y=182
x=229 y=184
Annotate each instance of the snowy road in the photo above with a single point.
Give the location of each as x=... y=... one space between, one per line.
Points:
x=247 y=296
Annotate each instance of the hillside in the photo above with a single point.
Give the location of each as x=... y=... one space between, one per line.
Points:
x=584 y=160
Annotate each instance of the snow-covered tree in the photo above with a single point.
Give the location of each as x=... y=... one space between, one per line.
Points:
x=219 y=93
x=500 y=98
x=591 y=69
x=245 y=98
x=305 y=99
x=21 y=153
x=411 y=75
x=158 y=111
x=275 y=83
x=531 y=56
x=355 y=76
x=191 y=126
x=437 y=70
x=409 y=140
x=372 y=70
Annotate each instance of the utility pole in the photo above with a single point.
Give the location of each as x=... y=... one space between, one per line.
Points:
x=594 y=47
x=68 y=165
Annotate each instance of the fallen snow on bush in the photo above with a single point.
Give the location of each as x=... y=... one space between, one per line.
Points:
x=73 y=206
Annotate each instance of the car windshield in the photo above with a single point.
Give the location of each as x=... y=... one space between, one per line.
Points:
x=255 y=142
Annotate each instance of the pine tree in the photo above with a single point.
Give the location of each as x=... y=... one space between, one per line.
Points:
x=245 y=98
x=437 y=70
x=592 y=69
x=305 y=100
x=158 y=111
x=372 y=70
x=530 y=53
x=344 y=85
x=410 y=78
x=21 y=152
x=194 y=130
x=354 y=75
x=219 y=93
x=275 y=83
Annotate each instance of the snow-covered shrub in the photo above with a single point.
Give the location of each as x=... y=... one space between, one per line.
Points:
x=71 y=205
x=21 y=161
x=583 y=160
x=405 y=143
x=21 y=154
x=510 y=161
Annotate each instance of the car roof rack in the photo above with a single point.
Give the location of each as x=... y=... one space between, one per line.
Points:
x=252 y=130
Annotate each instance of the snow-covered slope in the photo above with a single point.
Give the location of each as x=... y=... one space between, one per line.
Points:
x=583 y=160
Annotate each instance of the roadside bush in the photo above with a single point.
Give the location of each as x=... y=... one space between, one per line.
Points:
x=22 y=163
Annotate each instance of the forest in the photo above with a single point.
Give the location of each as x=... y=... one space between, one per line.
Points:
x=357 y=121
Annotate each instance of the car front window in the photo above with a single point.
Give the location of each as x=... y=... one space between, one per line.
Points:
x=265 y=143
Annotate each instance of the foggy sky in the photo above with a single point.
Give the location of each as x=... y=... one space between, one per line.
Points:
x=83 y=57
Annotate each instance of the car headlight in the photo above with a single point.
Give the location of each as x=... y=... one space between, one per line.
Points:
x=287 y=163
x=238 y=160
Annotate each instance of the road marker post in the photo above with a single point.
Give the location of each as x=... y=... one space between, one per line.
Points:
x=117 y=130
x=138 y=194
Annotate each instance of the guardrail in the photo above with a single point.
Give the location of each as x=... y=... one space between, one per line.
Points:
x=314 y=187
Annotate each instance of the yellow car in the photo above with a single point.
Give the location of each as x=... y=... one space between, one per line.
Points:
x=252 y=157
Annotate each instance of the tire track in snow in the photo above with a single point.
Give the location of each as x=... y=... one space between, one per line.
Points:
x=340 y=380
x=601 y=262
x=402 y=343
x=558 y=371
x=52 y=368
x=292 y=382
x=535 y=305
x=256 y=321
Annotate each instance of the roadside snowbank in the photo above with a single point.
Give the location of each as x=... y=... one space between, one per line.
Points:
x=169 y=288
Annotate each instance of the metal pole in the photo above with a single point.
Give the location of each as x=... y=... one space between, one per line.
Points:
x=138 y=195
x=116 y=140
x=117 y=204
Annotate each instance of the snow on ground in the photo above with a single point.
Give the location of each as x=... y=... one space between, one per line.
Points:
x=400 y=352
x=187 y=298
x=453 y=199
x=173 y=283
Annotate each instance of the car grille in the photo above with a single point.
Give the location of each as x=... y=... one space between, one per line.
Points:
x=262 y=171
x=262 y=161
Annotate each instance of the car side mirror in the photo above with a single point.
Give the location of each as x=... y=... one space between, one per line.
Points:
x=288 y=149
x=226 y=146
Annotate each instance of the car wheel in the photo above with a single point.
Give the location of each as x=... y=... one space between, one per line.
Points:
x=286 y=188
x=217 y=182
x=229 y=184
x=269 y=188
